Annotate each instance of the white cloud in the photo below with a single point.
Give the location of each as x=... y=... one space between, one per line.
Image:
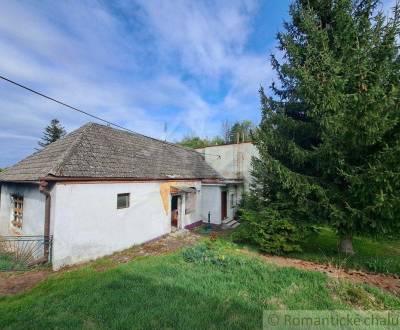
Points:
x=204 y=37
x=210 y=42
x=151 y=63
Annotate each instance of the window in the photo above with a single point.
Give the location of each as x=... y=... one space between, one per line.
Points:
x=123 y=201
x=17 y=211
x=233 y=202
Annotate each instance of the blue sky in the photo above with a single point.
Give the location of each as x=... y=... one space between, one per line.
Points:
x=139 y=63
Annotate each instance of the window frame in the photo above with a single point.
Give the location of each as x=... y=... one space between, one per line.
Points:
x=128 y=200
x=17 y=211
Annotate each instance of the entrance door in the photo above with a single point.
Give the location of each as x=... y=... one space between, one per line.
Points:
x=224 y=204
x=174 y=211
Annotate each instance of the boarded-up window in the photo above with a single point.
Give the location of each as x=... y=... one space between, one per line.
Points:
x=17 y=211
x=123 y=201
x=190 y=202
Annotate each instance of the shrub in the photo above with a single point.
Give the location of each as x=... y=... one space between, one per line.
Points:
x=204 y=253
x=269 y=234
x=263 y=228
x=211 y=251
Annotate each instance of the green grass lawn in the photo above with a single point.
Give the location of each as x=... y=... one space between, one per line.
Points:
x=180 y=291
x=375 y=255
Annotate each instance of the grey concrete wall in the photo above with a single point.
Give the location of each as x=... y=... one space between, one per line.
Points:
x=33 y=210
x=232 y=161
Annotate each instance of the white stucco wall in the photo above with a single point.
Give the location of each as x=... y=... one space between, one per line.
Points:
x=86 y=223
x=211 y=201
x=33 y=209
x=195 y=216
x=232 y=161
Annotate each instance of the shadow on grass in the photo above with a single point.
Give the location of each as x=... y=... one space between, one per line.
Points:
x=124 y=300
x=165 y=292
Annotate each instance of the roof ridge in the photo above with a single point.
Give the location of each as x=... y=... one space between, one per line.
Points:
x=70 y=150
x=150 y=137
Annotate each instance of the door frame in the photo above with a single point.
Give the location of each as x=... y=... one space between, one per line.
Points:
x=224 y=205
x=179 y=205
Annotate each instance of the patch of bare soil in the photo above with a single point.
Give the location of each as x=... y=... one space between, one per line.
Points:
x=17 y=282
x=389 y=283
x=163 y=245
x=13 y=283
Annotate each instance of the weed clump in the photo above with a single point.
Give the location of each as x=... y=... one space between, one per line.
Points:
x=211 y=251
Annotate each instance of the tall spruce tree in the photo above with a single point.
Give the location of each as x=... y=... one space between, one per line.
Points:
x=329 y=139
x=52 y=133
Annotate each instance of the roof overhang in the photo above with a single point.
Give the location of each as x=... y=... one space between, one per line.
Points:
x=234 y=181
x=52 y=178
x=178 y=190
x=20 y=181
x=221 y=182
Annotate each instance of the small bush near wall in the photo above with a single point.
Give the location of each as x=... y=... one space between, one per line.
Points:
x=9 y=263
x=264 y=229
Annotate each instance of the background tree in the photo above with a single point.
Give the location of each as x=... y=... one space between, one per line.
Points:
x=52 y=133
x=236 y=133
x=329 y=139
x=216 y=141
x=226 y=131
x=241 y=132
x=197 y=142
x=193 y=142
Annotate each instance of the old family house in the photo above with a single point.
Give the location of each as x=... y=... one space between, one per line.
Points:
x=101 y=190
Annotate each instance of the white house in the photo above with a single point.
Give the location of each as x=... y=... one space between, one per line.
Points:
x=232 y=162
x=100 y=190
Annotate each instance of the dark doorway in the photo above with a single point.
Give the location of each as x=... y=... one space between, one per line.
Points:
x=224 y=204
x=174 y=211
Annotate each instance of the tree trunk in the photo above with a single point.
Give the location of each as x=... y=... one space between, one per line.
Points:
x=346 y=245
